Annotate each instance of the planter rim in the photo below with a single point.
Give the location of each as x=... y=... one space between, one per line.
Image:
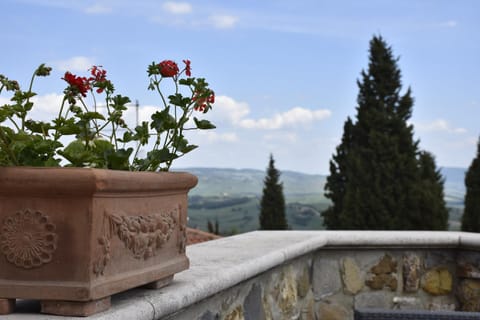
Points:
x=61 y=180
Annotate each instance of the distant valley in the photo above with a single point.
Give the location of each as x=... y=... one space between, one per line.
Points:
x=232 y=197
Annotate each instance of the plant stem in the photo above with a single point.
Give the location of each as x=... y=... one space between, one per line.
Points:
x=24 y=113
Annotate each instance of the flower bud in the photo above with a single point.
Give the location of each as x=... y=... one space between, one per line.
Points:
x=43 y=71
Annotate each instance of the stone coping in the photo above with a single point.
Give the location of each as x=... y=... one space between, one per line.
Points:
x=220 y=264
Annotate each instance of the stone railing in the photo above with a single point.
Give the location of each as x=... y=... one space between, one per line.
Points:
x=308 y=275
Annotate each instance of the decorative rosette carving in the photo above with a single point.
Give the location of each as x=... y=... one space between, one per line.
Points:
x=28 y=239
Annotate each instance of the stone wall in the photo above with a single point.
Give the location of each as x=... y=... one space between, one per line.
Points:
x=345 y=280
x=331 y=283
x=284 y=292
x=309 y=275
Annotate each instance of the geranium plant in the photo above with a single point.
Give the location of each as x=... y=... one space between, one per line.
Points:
x=82 y=136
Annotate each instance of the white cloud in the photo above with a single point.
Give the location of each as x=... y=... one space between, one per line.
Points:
x=290 y=137
x=450 y=24
x=440 y=125
x=49 y=103
x=177 y=7
x=45 y=107
x=213 y=136
x=78 y=63
x=227 y=109
x=223 y=21
x=98 y=9
x=291 y=118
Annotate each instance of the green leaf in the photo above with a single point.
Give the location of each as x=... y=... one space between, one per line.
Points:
x=5 y=112
x=119 y=159
x=67 y=126
x=189 y=148
x=203 y=124
x=38 y=126
x=141 y=133
x=162 y=121
x=160 y=156
x=153 y=69
x=179 y=100
x=186 y=82
x=127 y=137
x=119 y=102
x=77 y=154
x=100 y=146
x=90 y=115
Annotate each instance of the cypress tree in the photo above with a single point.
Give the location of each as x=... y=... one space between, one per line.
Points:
x=272 y=205
x=374 y=175
x=213 y=228
x=432 y=206
x=471 y=212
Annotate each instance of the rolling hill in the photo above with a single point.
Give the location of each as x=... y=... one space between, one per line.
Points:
x=232 y=197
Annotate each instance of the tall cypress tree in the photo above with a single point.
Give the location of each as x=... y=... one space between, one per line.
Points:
x=471 y=212
x=272 y=205
x=374 y=175
x=432 y=206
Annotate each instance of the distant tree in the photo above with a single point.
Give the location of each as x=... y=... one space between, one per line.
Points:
x=432 y=206
x=471 y=213
x=213 y=228
x=272 y=205
x=375 y=173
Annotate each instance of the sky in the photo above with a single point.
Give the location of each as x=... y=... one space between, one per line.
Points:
x=284 y=72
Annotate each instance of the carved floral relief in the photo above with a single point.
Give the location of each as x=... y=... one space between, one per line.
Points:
x=28 y=239
x=141 y=235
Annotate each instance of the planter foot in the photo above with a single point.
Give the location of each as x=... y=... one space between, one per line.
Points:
x=7 y=306
x=75 y=308
x=159 y=283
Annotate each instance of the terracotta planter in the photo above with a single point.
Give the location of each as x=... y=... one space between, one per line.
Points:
x=72 y=237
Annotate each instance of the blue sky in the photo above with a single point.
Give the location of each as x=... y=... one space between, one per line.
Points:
x=284 y=72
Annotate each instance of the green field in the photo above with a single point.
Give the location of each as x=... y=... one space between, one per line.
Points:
x=232 y=197
x=240 y=214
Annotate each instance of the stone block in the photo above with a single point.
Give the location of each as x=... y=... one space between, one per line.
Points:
x=303 y=282
x=308 y=308
x=468 y=270
x=436 y=258
x=235 y=314
x=332 y=311
x=288 y=295
x=468 y=293
x=442 y=306
x=437 y=281
x=326 y=277
x=351 y=276
x=385 y=266
x=381 y=281
x=374 y=299
x=208 y=315
x=267 y=308
x=411 y=273
x=253 y=306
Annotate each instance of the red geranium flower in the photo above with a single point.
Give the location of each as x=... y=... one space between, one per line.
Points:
x=202 y=104
x=99 y=77
x=80 y=84
x=187 y=68
x=168 y=68
x=98 y=74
